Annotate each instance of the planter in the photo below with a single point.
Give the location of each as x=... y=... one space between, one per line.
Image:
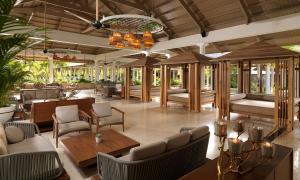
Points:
x=6 y=113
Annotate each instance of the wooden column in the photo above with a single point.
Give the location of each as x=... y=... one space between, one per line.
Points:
x=276 y=97
x=240 y=79
x=184 y=76
x=191 y=86
x=127 y=82
x=146 y=83
x=291 y=75
x=223 y=90
x=162 y=86
x=197 y=86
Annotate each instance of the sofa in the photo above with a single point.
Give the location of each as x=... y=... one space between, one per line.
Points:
x=256 y=105
x=33 y=157
x=30 y=95
x=168 y=159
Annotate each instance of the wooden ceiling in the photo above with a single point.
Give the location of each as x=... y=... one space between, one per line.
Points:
x=180 y=17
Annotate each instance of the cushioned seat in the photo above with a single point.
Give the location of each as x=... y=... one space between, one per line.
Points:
x=34 y=144
x=73 y=126
x=253 y=106
x=180 y=97
x=103 y=115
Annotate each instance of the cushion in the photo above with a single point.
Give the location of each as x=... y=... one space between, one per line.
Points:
x=26 y=97
x=34 y=144
x=52 y=93
x=253 y=106
x=181 y=97
x=2 y=134
x=29 y=94
x=41 y=94
x=3 y=147
x=73 y=126
x=110 y=120
x=237 y=96
x=102 y=109
x=65 y=114
x=147 y=151
x=177 y=140
x=198 y=132
x=14 y=134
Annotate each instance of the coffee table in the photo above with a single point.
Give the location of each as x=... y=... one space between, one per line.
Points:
x=83 y=148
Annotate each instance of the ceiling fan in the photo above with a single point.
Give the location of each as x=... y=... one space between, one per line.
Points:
x=95 y=24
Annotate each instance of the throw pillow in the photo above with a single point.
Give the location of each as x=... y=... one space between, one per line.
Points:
x=14 y=134
x=3 y=148
x=2 y=134
x=147 y=151
x=177 y=140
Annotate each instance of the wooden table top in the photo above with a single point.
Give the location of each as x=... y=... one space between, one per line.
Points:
x=83 y=148
x=261 y=172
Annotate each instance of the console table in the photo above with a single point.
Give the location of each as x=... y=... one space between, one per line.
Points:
x=279 y=168
x=42 y=110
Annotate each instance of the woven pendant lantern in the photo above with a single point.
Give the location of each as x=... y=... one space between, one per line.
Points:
x=147 y=35
x=136 y=44
x=120 y=45
x=117 y=36
x=148 y=43
x=128 y=36
x=111 y=41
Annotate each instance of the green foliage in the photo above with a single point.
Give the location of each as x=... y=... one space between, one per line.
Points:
x=175 y=82
x=137 y=82
x=11 y=72
x=39 y=71
x=233 y=77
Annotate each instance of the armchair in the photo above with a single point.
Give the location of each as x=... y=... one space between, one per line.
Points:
x=33 y=158
x=67 y=119
x=103 y=115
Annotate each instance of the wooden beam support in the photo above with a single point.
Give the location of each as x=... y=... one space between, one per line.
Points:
x=112 y=7
x=130 y=4
x=244 y=9
x=192 y=14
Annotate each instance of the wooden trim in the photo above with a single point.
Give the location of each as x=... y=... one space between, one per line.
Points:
x=290 y=120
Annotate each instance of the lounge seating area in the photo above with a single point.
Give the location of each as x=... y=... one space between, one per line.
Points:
x=149 y=90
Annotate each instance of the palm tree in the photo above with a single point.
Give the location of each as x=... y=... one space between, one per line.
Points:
x=11 y=44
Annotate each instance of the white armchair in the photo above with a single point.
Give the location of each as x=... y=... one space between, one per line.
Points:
x=103 y=115
x=69 y=119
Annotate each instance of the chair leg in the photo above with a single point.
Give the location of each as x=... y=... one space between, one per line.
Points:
x=56 y=141
x=56 y=136
x=53 y=130
x=123 y=127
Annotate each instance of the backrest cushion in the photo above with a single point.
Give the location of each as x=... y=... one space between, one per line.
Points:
x=102 y=109
x=14 y=134
x=52 y=93
x=65 y=114
x=237 y=96
x=29 y=94
x=198 y=132
x=147 y=151
x=41 y=94
x=3 y=147
x=2 y=134
x=177 y=140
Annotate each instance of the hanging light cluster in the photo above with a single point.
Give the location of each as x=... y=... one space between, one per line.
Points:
x=131 y=40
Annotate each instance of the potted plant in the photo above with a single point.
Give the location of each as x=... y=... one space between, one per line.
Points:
x=98 y=138
x=11 y=72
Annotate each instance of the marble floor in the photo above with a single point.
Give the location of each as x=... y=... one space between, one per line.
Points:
x=147 y=123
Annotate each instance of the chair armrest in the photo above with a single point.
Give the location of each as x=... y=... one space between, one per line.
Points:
x=84 y=116
x=29 y=129
x=54 y=118
x=116 y=109
x=95 y=119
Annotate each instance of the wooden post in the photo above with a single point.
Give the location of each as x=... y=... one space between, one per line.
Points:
x=146 y=83
x=240 y=83
x=290 y=120
x=197 y=87
x=276 y=97
x=127 y=82
x=192 y=69
x=162 y=85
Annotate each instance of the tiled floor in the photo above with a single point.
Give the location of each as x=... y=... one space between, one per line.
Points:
x=148 y=123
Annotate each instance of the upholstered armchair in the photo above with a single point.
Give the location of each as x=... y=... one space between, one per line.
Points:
x=103 y=115
x=67 y=119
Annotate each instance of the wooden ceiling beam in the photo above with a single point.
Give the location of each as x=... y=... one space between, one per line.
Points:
x=112 y=7
x=170 y=33
x=244 y=9
x=60 y=23
x=130 y=4
x=192 y=15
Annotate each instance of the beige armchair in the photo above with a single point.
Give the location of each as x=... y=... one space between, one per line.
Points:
x=68 y=119
x=103 y=115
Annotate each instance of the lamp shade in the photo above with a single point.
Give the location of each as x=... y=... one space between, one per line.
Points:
x=120 y=45
x=147 y=35
x=117 y=36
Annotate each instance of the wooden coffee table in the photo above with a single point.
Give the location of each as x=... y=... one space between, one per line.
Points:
x=83 y=148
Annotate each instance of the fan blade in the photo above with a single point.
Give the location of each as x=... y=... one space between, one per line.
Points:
x=79 y=17
x=89 y=29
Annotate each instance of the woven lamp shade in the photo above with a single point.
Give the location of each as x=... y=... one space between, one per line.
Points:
x=147 y=35
x=117 y=36
x=148 y=43
x=120 y=45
